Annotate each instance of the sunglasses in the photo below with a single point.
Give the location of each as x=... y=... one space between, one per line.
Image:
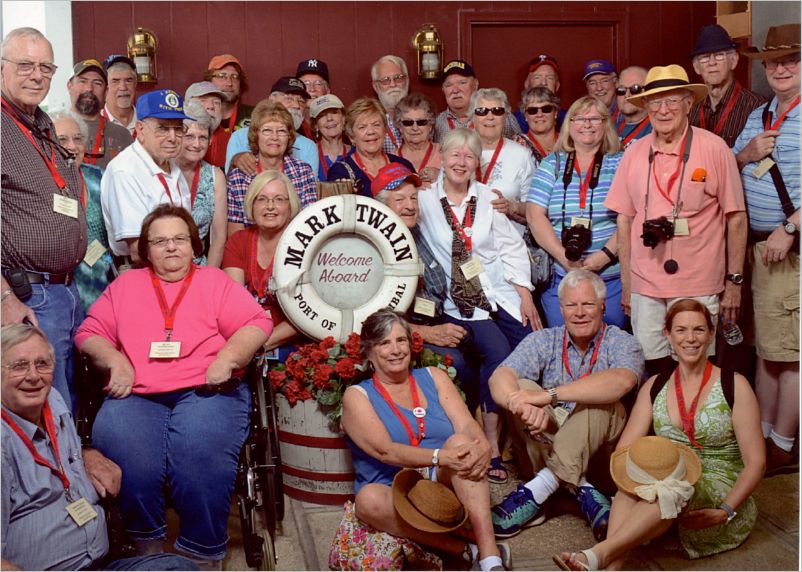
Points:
x=546 y=109
x=411 y=122
x=497 y=111
x=633 y=89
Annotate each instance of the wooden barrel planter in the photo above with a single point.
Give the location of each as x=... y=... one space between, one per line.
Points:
x=315 y=461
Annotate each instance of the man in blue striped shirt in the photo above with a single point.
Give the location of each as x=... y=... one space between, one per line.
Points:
x=771 y=137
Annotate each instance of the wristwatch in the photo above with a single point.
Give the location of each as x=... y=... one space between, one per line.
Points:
x=552 y=391
x=436 y=458
x=790 y=227
x=735 y=278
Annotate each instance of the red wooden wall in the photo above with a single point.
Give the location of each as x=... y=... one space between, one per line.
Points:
x=270 y=38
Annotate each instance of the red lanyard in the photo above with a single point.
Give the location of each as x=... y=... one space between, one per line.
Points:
x=781 y=118
x=83 y=188
x=258 y=283
x=537 y=145
x=414 y=440
x=232 y=121
x=465 y=227
x=259 y=165
x=96 y=149
x=451 y=123
x=322 y=157
x=169 y=311
x=634 y=133
x=193 y=190
x=724 y=114
x=359 y=162
x=584 y=184
x=673 y=178
x=50 y=427
x=425 y=157
x=167 y=190
x=593 y=357
x=49 y=163
x=486 y=177
x=687 y=417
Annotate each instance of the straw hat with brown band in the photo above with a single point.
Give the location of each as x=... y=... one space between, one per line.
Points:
x=656 y=468
x=780 y=41
x=666 y=78
x=426 y=505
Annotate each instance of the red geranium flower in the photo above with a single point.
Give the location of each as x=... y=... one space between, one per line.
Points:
x=352 y=346
x=345 y=368
x=417 y=343
x=448 y=360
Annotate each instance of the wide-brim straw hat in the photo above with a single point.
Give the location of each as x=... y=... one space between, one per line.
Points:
x=657 y=456
x=426 y=505
x=666 y=78
x=780 y=41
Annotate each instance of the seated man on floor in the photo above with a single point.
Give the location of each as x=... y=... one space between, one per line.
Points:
x=582 y=369
x=52 y=516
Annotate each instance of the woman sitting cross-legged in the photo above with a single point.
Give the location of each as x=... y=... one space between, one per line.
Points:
x=415 y=419
x=699 y=408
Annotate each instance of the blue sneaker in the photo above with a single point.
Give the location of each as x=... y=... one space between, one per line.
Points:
x=596 y=508
x=517 y=511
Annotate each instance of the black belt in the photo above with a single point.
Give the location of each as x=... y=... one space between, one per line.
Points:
x=37 y=278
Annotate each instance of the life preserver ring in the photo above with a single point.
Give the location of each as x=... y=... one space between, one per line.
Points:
x=300 y=270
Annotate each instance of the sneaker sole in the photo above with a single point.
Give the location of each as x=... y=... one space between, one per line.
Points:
x=537 y=521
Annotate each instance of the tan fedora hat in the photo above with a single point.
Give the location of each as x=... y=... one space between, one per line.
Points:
x=666 y=78
x=658 y=457
x=780 y=41
x=426 y=505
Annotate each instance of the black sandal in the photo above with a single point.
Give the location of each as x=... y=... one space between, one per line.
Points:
x=496 y=464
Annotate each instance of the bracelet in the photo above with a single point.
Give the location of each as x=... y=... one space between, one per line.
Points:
x=5 y=294
x=553 y=394
x=729 y=510
x=610 y=255
x=436 y=458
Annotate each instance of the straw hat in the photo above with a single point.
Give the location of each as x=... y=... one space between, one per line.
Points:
x=658 y=457
x=666 y=78
x=780 y=41
x=426 y=505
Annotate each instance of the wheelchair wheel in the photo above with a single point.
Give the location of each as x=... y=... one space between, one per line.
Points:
x=270 y=479
x=268 y=551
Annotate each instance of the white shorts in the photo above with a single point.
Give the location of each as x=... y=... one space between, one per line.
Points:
x=649 y=317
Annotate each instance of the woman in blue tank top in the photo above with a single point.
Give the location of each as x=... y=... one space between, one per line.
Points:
x=417 y=419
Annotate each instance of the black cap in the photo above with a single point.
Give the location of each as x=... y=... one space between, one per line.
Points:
x=713 y=38
x=118 y=58
x=86 y=65
x=458 y=67
x=290 y=84
x=315 y=66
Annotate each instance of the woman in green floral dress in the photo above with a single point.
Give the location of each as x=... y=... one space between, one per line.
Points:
x=692 y=409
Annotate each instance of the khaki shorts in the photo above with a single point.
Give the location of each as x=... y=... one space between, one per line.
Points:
x=775 y=291
x=649 y=318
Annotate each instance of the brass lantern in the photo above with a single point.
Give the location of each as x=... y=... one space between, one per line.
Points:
x=429 y=47
x=142 y=46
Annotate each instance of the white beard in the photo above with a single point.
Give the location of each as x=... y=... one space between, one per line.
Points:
x=390 y=98
x=297 y=117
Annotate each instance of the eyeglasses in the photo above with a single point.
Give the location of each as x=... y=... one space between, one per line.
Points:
x=596 y=120
x=718 y=56
x=162 y=131
x=634 y=89
x=391 y=79
x=544 y=109
x=226 y=76
x=318 y=83
x=594 y=83
x=21 y=367
x=26 y=68
x=418 y=122
x=162 y=242
x=672 y=103
x=277 y=133
x=64 y=140
x=275 y=201
x=788 y=63
x=482 y=111
x=198 y=138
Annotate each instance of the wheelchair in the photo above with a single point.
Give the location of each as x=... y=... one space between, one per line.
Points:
x=258 y=486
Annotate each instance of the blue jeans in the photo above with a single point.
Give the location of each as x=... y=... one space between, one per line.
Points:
x=613 y=314
x=491 y=341
x=59 y=311
x=186 y=442
x=164 y=561
x=465 y=374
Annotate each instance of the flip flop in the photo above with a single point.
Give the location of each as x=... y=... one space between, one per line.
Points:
x=497 y=465
x=593 y=562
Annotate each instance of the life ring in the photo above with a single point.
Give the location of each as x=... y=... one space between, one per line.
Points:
x=341 y=259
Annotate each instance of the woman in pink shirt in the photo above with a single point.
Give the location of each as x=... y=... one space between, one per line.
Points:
x=171 y=339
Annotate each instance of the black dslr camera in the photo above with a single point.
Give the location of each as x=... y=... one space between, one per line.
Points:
x=657 y=230
x=576 y=240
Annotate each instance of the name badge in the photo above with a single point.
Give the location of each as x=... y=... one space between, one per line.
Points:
x=81 y=511
x=65 y=205
x=271 y=354
x=681 y=227
x=580 y=221
x=94 y=252
x=424 y=307
x=472 y=268
x=560 y=415
x=165 y=350
x=763 y=167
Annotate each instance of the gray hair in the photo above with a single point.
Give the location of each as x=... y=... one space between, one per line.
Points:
x=14 y=334
x=457 y=138
x=376 y=327
x=72 y=116
x=120 y=66
x=573 y=278
x=640 y=69
x=491 y=93
x=196 y=111
x=538 y=93
x=415 y=101
x=374 y=69
x=22 y=33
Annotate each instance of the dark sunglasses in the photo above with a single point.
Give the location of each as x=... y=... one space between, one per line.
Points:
x=546 y=109
x=633 y=89
x=497 y=111
x=411 y=122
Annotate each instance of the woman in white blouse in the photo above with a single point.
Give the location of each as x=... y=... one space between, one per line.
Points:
x=486 y=265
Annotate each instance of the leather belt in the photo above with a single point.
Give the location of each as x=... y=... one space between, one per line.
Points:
x=36 y=278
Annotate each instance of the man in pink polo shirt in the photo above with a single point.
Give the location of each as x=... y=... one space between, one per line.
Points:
x=681 y=221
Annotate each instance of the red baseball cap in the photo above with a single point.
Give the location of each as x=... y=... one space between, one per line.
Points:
x=392 y=176
x=222 y=61
x=543 y=60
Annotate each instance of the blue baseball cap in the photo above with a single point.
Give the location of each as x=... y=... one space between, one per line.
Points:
x=592 y=67
x=161 y=104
